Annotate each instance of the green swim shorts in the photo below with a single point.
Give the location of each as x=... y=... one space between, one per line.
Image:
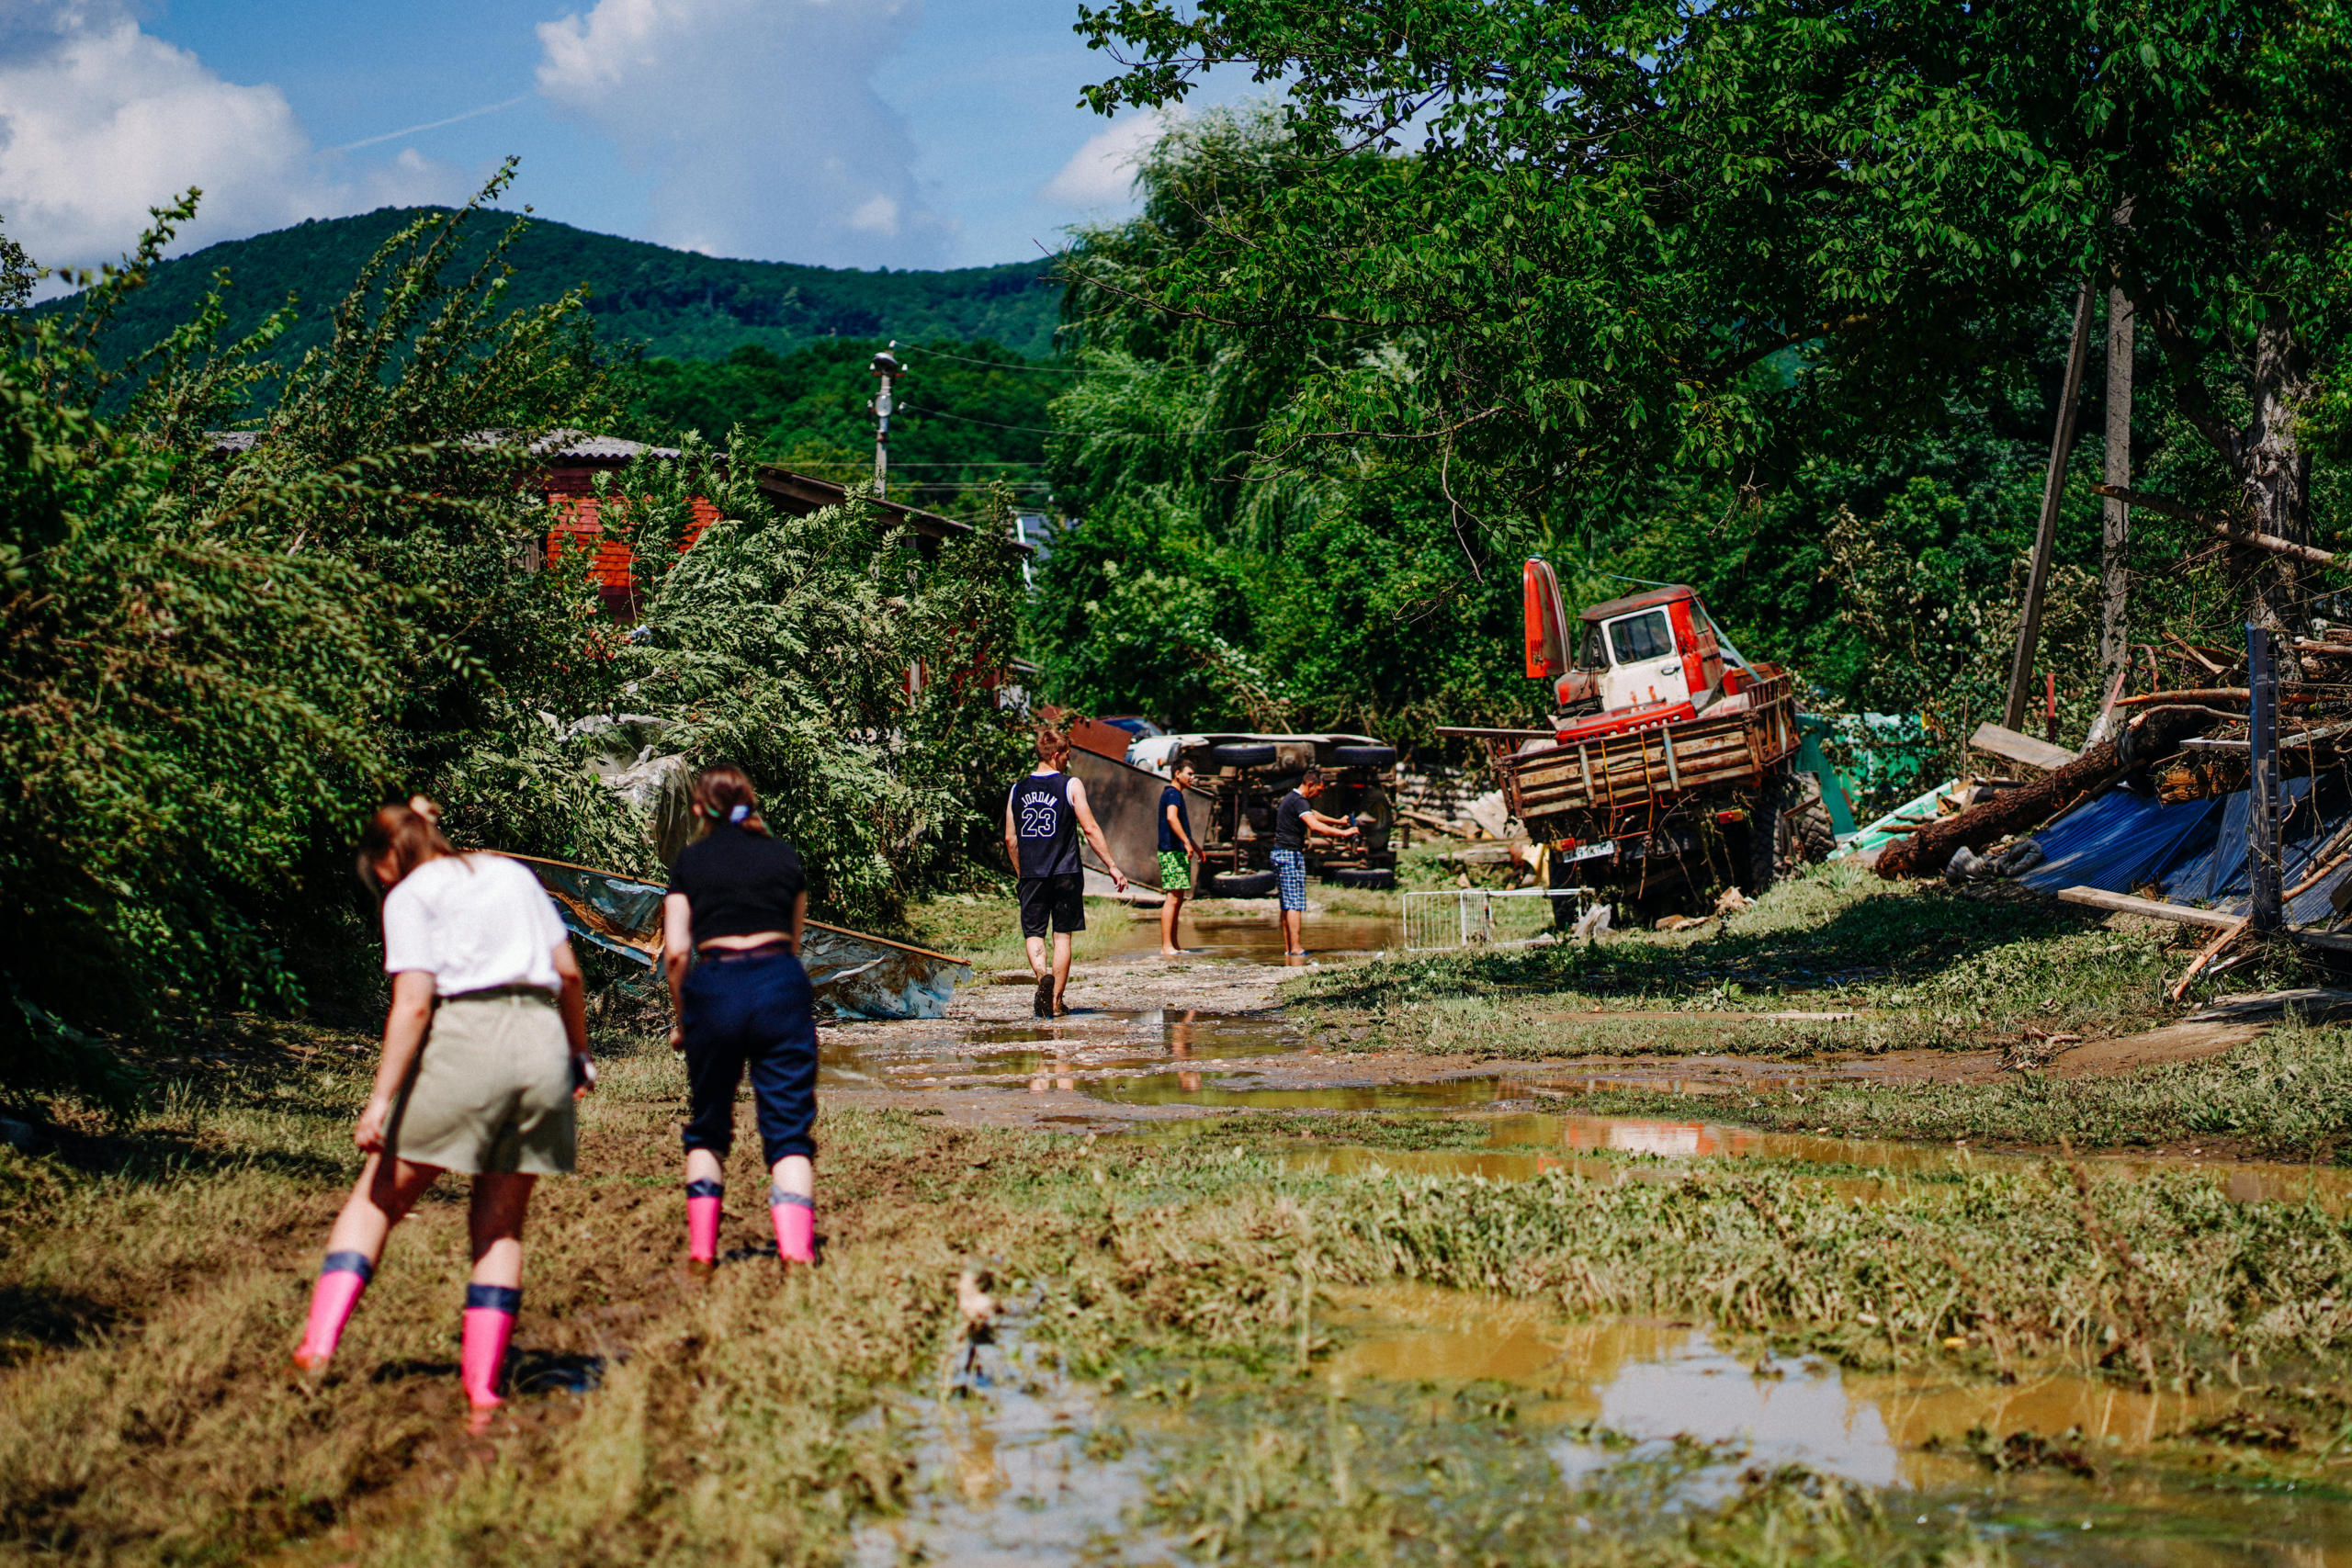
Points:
x=1175 y=872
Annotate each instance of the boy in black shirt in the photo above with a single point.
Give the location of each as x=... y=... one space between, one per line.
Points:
x=1294 y=819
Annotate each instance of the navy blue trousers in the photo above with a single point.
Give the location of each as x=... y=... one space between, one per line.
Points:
x=754 y=1014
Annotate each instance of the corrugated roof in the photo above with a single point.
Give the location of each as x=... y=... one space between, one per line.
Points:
x=584 y=444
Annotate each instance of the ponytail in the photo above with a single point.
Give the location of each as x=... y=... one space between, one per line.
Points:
x=409 y=835
x=724 y=793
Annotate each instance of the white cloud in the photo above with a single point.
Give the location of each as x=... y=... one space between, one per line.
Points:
x=759 y=121
x=99 y=121
x=1103 y=173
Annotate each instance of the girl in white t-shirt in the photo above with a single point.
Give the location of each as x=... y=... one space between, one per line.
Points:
x=486 y=1049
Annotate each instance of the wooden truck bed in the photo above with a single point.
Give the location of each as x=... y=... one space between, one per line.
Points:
x=1608 y=774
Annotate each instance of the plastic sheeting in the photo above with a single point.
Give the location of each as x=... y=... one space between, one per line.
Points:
x=2120 y=841
x=2194 y=852
x=854 y=974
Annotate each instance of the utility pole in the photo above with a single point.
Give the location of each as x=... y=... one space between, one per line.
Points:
x=2115 y=536
x=2262 y=804
x=885 y=364
x=2054 y=484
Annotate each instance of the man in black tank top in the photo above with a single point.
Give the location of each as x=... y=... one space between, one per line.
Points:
x=1044 y=815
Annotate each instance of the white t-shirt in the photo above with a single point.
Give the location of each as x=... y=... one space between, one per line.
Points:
x=474 y=921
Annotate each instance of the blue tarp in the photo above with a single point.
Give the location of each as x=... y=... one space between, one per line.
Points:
x=2194 y=852
x=2122 y=841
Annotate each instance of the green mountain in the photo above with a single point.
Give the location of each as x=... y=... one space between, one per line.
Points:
x=672 y=304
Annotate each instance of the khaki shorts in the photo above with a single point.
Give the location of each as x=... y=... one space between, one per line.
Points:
x=490 y=1092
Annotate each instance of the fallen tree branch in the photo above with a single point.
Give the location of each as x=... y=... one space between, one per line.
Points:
x=2236 y=534
x=2207 y=953
x=2150 y=735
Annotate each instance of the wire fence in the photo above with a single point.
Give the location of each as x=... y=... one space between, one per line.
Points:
x=1481 y=916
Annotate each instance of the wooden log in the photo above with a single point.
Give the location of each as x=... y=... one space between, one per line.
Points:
x=2150 y=735
x=2179 y=914
x=2016 y=748
x=2236 y=533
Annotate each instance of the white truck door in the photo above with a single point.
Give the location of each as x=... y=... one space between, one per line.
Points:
x=1644 y=664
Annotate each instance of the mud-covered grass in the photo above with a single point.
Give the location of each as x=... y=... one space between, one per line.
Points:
x=157 y=1270
x=1919 y=965
x=2284 y=1096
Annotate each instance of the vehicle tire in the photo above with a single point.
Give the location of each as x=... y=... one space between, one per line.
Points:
x=1242 y=754
x=1378 y=878
x=1243 y=883
x=1363 y=756
x=1791 y=828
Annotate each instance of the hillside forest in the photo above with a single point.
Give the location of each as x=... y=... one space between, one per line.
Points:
x=1771 y=300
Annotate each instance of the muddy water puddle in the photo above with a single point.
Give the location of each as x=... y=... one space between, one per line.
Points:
x=1075 y=1052
x=1523 y=1146
x=1471 y=1407
x=1254 y=938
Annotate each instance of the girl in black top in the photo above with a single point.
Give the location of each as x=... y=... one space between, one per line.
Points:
x=730 y=937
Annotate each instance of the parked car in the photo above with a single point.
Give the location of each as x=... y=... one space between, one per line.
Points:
x=1245 y=778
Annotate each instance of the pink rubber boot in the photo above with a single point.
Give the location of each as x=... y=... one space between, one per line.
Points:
x=795 y=1225
x=341 y=1279
x=703 y=1200
x=489 y=1324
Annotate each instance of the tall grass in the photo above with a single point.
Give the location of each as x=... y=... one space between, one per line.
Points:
x=1923 y=965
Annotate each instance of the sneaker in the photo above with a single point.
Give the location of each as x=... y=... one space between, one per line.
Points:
x=1044 y=1003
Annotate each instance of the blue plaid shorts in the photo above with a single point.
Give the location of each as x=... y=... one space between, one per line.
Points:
x=1291 y=865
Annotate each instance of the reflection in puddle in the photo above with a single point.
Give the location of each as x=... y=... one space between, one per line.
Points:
x=1003 y=1475
x=1656 y=1381
x=1065 y=1053
x=1255 y=939
x=1618 y=1428
x=1653 y=1381
x=1523 y=1146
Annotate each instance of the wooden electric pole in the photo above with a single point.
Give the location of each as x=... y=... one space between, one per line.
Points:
x=2263 y=878
x=2115 y=537
x=2062 y=441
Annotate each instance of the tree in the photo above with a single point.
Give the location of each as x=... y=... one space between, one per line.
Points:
x=1550 y=248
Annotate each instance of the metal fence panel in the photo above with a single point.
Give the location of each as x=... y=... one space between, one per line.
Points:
x=1481 y=916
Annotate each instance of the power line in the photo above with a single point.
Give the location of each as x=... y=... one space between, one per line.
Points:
x=1043 y=430
x=1001 y=365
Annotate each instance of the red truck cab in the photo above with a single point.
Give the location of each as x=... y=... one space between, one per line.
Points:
x=1648 y=659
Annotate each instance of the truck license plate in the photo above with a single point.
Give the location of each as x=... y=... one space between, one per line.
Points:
x=1590 y=852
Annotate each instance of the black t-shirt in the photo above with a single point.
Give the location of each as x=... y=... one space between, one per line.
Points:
x=1290 y=833
x=738 y=883
x=1169 y=841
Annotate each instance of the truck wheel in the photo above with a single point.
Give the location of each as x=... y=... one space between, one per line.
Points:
x=1791 y=828
x=1244 y=883
x=1242 y=754
x=1363 y=756
x=1379 y=877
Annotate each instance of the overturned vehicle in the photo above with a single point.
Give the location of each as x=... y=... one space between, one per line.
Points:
x=1243 y=779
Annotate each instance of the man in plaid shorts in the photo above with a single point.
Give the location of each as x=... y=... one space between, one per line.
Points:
x=1294 y=819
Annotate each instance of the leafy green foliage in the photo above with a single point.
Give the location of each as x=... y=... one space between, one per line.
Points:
x=786 y=644
x=969 y=415
x=215 y=657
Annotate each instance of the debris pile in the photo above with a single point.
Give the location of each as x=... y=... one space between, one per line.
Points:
x=2158 y=816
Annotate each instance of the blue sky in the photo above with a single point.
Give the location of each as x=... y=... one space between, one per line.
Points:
x=844 y=132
